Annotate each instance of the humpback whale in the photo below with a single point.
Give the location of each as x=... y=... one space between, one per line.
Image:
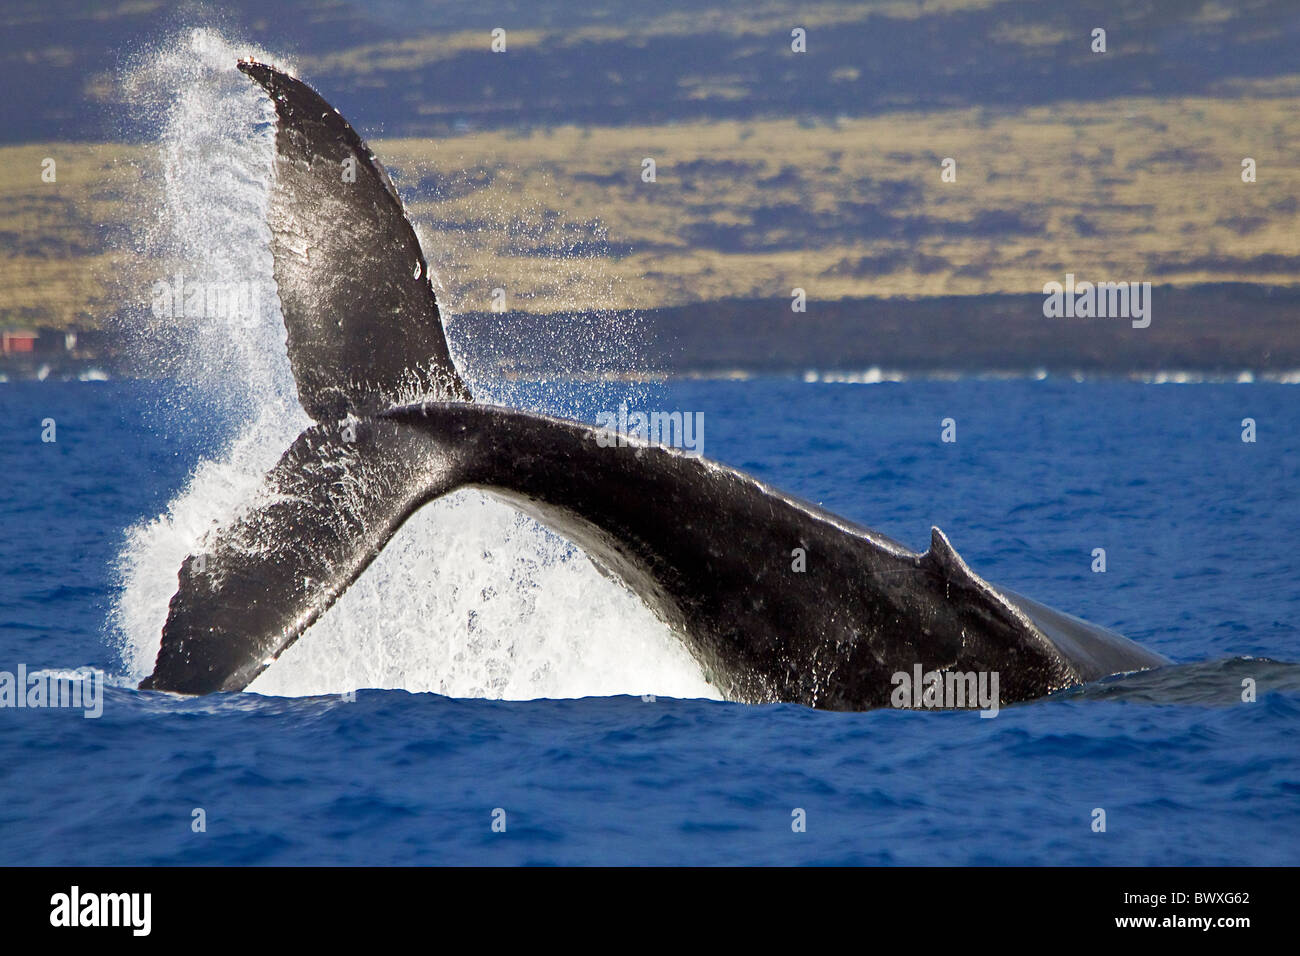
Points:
x=706 y=547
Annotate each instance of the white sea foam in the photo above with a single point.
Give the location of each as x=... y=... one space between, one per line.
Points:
x=875 y=376
x=470 y=598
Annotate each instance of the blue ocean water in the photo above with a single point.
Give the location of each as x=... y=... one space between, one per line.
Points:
x=1199 y=530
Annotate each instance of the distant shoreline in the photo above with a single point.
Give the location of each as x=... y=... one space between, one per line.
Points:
x=1216 y=332
x=869 y=376
x=1221 y=329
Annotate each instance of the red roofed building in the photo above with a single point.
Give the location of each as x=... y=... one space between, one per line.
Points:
x=18 y=341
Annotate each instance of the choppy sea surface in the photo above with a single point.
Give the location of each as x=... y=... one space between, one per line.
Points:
x=499 y=677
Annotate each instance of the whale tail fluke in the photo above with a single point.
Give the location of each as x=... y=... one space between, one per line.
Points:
x=324 y=513
x=364 y=335
x=364 y=329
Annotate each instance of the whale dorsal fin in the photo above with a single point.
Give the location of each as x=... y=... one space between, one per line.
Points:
x=943 y=555
x=364 y=328
x=1091 y=651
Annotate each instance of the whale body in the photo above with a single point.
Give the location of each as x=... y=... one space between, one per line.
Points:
x=706 y=547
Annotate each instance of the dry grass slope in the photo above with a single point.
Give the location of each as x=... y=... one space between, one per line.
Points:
x=1132 y=189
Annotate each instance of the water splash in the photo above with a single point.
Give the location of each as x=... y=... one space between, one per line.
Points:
x=206 y=197
x=470 y=598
